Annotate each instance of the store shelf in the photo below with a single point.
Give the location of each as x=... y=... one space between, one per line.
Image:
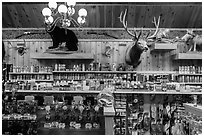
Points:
x=54 y=91
x=30 y=73
x=188 y=55
x=191 y=83
x=135 y=91
x=197 y=110
x=79 y=56
x=181 y=74
x=120 y=72
x=118 y=91
x=34 y=80
x=96 y=72
x=163 y=47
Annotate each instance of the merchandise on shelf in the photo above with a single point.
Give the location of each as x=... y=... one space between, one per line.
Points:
x=190 y=69
x=98 y=80
x=29 y=69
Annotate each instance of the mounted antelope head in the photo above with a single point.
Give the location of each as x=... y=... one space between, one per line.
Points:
x=133 y=51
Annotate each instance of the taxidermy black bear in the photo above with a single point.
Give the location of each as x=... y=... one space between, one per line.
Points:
x=60 y=35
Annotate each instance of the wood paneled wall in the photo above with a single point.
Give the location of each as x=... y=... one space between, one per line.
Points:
x=155 y=61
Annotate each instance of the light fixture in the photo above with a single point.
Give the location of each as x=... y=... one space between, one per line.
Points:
x=65 y=12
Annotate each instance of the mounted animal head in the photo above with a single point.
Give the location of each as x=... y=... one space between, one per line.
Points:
x=134 y=51
x=21 y=48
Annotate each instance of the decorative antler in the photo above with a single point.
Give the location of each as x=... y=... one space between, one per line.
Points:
x=157 y=28
x=124 y=22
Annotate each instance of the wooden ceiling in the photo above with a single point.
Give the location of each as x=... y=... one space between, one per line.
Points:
x=105 y=15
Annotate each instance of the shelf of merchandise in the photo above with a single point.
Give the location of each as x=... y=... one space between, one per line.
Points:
x=118 y=91
x=191 y=83
x=120 y=72
x=190 y=74
x=135 y=91
x=30 y=73
x=197 y=110
x=20 y=80
x=54 y=91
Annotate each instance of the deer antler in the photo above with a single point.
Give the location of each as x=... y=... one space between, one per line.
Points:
x=157 y=28
x=122 y=20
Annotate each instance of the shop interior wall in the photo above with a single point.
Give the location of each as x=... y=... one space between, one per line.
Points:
x=151 y=61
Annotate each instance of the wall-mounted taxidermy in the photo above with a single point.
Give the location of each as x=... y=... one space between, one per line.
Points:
x=133 y=51
x=193 y=40
x=60 y=35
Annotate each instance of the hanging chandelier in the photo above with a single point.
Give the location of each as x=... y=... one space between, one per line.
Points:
x=64 y=12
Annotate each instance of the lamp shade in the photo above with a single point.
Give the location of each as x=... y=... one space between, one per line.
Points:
x=62 y=9
x=81 y=20
x=52 y=5
x=50 y=19
x=82 y=12
x=46 y=12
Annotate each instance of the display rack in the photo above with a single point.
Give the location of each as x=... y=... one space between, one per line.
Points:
x=188 y=56
x=79 y=56
x=163 y=47
x=120 y=72
x=118 y=91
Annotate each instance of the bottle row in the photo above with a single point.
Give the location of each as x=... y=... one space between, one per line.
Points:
x=190 y=69
x=28 y=69
x=193 y=79
x=63 y=67
x=116 y=77
x=30 y=77
x=94 y=66
x=98 y=85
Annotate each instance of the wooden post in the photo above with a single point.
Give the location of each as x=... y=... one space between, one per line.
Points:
x=109 y=114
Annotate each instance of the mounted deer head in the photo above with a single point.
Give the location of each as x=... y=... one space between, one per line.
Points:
x=133 y=51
